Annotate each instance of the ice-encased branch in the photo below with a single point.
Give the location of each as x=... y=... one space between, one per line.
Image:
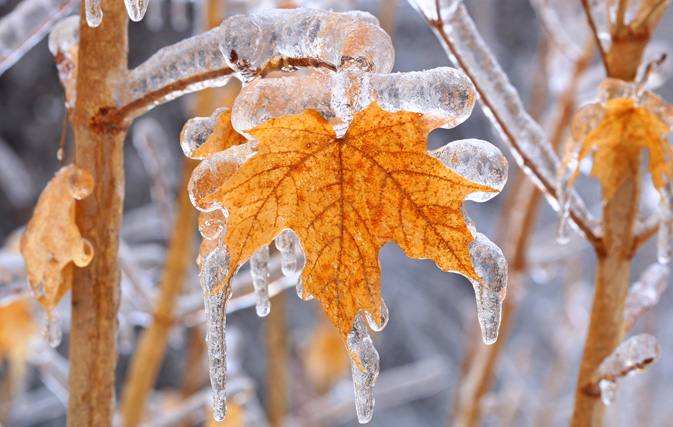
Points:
x=279 y=38
x=23 y=27
x=634 y=355
x=645 y=293
x=255 y=45
x=501 y=103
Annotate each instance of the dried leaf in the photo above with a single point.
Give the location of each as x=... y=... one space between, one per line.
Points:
x=52 y=242
x=617 y=140
x=345 y=198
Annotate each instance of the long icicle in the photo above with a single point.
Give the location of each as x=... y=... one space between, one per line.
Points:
x=362 y=350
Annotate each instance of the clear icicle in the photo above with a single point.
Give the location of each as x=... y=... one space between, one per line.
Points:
x=665 y=232
x=491 y=267
x=300 y=290
x=569 y=165
x=645 y=293
x=360 y=345
x=136 y=9
x=94 y=13
x=285 y=243
x=213 y=271
x=608 y=391
x=634 y=355
x=51 y=328
x=259 y=269
x=383 y=320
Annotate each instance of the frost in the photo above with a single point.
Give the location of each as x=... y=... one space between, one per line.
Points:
x=21 y=29
x=490 y=265
x=645 y=293
x=259 y=269
x=634 y=355
x=364 y=367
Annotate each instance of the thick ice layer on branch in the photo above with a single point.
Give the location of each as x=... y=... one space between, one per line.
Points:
x=645 y=293
x=93 y=12
x=490 y=265
x=364 y=367
x=285 y=243
x=441 y=93
x=63 y=44
x=500 y=100
x=479 y=161
x=305 y=37
x=187 y=66
x=136 y=9
x=634 y=355
x=213 y=271
x=24 y=26
x=259 y=270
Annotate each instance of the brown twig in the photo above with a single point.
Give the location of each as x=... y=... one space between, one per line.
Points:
x=99 y=150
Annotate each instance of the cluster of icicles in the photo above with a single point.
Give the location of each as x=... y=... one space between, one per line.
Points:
x=94 y=13
x=361 y=77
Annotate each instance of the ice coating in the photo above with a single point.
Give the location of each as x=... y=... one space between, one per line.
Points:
x=490 y=265
x=214 y=269
x=665 y=231
x=63 y=42
x=196 y=132
x=93 y=12
x=209 y=175
x=634 y=355
x=136 y=9
x=501 y=102
x=24 y=26
x=478 y=161
x=285 y=243
x=52 y=242
x=379 y=325
x=259 y=270
x=187 y=66
x=598 y=10
x=570 y=164
x=442 y=93
x=298 y=36
x=212 y=224
x=645 y=293
x=364 y=367
x=300 y=290
x=51 y=328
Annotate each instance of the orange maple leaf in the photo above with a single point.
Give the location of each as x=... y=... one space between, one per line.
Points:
x=617 y=140
x=345 y=198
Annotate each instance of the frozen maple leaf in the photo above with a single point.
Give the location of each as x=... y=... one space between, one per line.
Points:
x=52 y=242
x=345 y=198
x=616 y=141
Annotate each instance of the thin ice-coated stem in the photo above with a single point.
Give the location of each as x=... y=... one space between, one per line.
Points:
x=23 y=27
x=594 y=31
x=606 y=328
x=153 y=342
x=99 y=150
x=503 y=107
